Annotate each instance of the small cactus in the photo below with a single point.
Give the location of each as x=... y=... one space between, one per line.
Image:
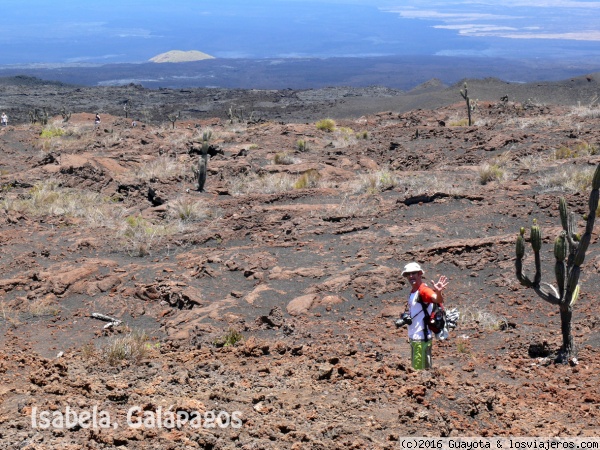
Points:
x=569 y=252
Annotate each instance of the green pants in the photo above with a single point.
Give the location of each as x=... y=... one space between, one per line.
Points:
x=420 y=354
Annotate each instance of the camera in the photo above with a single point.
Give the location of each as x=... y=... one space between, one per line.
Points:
x=404 y=319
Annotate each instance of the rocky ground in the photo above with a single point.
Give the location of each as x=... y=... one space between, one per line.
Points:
x=270 y=297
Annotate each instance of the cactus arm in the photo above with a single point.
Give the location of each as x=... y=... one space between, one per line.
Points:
x=545 y=291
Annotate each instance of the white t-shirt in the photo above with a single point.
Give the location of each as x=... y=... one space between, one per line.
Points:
x=415 y=329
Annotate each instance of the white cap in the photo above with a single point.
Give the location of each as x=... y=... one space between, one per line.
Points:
x=412 y=267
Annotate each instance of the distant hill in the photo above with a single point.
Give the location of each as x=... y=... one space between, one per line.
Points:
x=179 y=56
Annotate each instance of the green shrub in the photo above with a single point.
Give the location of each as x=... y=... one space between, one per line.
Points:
x=229 y=339
x=50 y=132
x=326 y=125
x=302 y=145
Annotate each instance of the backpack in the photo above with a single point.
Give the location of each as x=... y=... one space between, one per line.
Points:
x=439 y=322
x=436 y=320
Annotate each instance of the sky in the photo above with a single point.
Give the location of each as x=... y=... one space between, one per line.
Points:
x=69 y=31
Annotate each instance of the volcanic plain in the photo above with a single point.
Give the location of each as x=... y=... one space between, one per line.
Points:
x=272 y=292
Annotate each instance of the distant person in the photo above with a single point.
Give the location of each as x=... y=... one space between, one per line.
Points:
x=4 y=119
x=97 y=120
x=134 y=123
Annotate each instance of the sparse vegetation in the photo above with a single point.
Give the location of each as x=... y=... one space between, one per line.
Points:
x=229 y=339
x=491 y=172
x=141 y=235
x=49 y=198
x=188 y=210
x=161 y=168
x=568 y=178
x=459 y=123
x=479 y=317
x=579 y=149
x=375 y=182
x=463 y=345
x=327 y=125
x=50 y=132
x=265 y=184
x=309 y=179
x=354 y=206
x=283 y=158
x=302 y=145
x=132 y=347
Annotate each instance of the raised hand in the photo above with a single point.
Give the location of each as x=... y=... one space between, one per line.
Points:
x=441 y=284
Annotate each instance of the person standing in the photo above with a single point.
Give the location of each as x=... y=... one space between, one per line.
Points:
x=4 y=119
x=419 y=308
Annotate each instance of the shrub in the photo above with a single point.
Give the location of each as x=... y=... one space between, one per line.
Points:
x=473 y=316
x=379 y=181
x=52 y=131
x=266 y=184
x=570 y=178
x=132 y=347
x=283 y=158
x=353 y=207
x=302 y=145
x=490 y=172
x=229 y=339
x=49 y=198
x=326 y=125
x=580 y=149
x=187 y=210
x=459 y=123
x=141 y=235
x=161 y=168
x=308 y=179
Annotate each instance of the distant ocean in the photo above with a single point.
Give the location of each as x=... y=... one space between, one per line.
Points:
x=134 y=31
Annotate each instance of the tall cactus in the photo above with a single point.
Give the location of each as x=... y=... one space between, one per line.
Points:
x=464 y=93
x=569 y=252
x=200 y=172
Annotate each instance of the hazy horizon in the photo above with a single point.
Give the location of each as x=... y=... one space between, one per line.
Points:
x=67 y=32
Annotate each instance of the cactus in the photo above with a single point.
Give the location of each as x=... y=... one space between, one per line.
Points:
x=66 y=115
x=569 y=251
x=200 y=172
x=173 y=118
x=470 y=103
x=127 y=107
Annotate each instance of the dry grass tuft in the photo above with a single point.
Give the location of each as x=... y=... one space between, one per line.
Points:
x=491 y=172
x=266 y=184
x=309 y=179
x=132 y=347
x=161 y=168
x=375 y=182
x=568 y=178
x=284 y=159
x=473 y=316
x=141 y=235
